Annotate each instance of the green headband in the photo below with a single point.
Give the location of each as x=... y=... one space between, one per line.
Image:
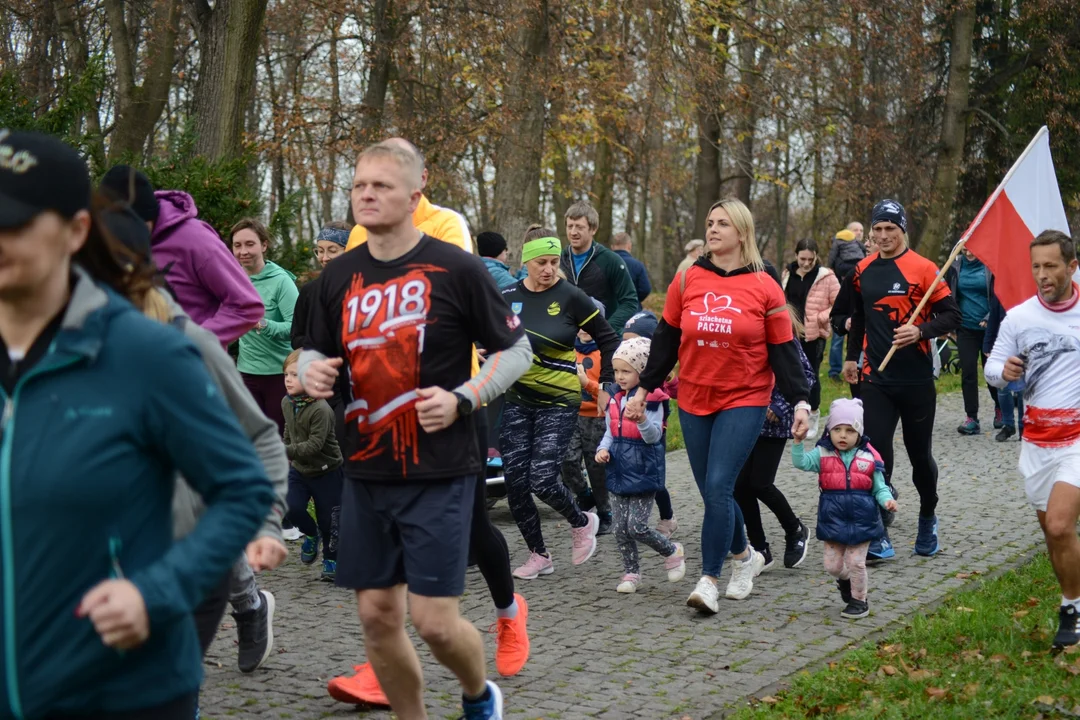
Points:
x=540 y=247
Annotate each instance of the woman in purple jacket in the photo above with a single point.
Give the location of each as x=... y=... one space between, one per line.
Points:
x=208 y=283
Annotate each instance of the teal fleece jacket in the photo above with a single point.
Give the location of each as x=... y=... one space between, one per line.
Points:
x=262 y=352
x=92 y=438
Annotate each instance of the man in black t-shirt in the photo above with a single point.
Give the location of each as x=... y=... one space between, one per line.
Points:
x=399 y=315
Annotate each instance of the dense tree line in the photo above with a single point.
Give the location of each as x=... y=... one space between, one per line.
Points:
x=809 y=110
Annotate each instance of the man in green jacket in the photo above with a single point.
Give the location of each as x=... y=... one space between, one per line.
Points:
x=598 y=271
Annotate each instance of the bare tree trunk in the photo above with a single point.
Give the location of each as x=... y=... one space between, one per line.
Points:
x=229 y=34
x=707 y=167
x=78 y=57
x=746 y=123
x=603 y=187
x=139 y=107
x=384 y=27
x=520 y=145
x=560 y=190
x=953 y=129
x=330 y=188
x=653 y=253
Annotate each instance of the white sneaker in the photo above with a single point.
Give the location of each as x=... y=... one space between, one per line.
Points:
x=815 y=423
x=292 y=534
x=630 y=583
x=705 y=597
x=743 y=573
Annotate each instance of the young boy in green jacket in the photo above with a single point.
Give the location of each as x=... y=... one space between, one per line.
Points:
x=315 y=473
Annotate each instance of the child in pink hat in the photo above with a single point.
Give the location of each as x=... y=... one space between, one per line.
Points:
x=852 y=484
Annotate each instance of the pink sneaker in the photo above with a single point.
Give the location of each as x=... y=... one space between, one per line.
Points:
x=676 y=564
x=667 y=528
x=585 y=539
x=630 y=583
x=534 y=567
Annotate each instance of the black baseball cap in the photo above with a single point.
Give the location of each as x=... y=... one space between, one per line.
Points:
x=38 y=173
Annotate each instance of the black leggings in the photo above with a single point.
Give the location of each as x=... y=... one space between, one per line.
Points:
x=914 y=406
x=663 y=504
x=487 y=546
x=325 y=491
x=969 y=344
x=756 y=482
x=815 y=351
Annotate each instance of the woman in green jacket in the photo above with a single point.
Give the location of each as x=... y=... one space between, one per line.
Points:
x=264 y=348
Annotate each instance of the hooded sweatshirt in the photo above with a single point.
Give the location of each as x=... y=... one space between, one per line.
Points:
x=262 y=352
x=209 y=284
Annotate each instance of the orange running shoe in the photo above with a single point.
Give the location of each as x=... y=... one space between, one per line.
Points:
x=512 y=641
x=361 y=689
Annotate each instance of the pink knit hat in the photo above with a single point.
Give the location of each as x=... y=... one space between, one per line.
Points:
x=846 y=412
x=634 y=352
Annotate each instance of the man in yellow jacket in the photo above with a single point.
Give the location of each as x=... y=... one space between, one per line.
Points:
x=438 y=222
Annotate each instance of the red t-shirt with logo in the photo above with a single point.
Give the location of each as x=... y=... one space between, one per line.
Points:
x=726 y=327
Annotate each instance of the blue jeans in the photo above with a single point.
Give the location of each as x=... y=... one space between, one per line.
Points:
x=1008 y=401
x=836 y=355
x=717 y=445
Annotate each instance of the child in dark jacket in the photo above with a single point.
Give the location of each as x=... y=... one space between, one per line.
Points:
x=634 y=454
x=316 y=469
x=852 y=484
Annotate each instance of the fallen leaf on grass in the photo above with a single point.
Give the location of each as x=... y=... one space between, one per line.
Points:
x=971 y=688
x=999 y=658
x=1026 y=654
x=769 y=700
x=961 y=608
x=1043 y=700
x=888 y=670
x=1072 y=650
x=841 y=709
x=971 y=655
x=1020 y=613
x=1072 y=670
x=1033 y=602
x=966 y=575
x=921 y=653
x=919 y=675
x=936 y=693
x=892 y=649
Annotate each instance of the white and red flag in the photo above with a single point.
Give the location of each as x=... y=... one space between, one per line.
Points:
x=1026 y=203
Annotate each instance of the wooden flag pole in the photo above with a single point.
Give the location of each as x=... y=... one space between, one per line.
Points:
x=929 y=291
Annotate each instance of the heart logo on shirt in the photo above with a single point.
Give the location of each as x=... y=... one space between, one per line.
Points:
x=714 y=304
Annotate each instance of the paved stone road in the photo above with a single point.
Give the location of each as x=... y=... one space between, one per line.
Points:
x=599 y=654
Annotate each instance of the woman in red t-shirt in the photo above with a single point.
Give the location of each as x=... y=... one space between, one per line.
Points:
x=725 y=324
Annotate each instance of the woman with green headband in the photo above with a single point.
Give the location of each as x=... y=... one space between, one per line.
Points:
x=542 y=407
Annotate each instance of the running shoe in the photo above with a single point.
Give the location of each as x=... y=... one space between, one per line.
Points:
x=1068 y=633
x=675 y=564
x=329 y=570
x=309 y=551
x=999 y=420
x=291 y=534
x=534 y=567
x=667 y=528
x=926 y=542
x=630 y=583
x=585 y=539
x=796 y=546
x=605 y=524
x=255 y=634
x=970 y=426
x=880 y=551
x=1006 y=432
x=706 y=596
x=767 y=554
x=845 y=590
x=489 y=708
x=512 y=640
x=743 y=573
x=361 y=689
x=856 y=609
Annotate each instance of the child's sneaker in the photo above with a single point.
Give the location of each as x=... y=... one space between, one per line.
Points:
x=667 y=528
x=767 y=554
x=309 y=551
x=856 y=609
x=675 y=564
x=329 y=570
x=630 y=583
x=489 y=708
x=605 y=524
x=534 y=567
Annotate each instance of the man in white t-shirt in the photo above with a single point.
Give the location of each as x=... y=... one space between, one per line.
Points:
x=1038 y=346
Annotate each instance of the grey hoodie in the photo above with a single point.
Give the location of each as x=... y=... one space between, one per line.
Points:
x=188 y=506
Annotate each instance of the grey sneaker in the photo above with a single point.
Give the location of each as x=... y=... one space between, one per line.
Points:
x=255 y=632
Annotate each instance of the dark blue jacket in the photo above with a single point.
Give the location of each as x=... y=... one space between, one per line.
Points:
x=636 y=466
x=848 y=517
x=93 y=436
x=638 y=274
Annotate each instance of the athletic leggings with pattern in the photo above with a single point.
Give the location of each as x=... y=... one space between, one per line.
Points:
x=533 y=442
x=848 y=562
x=630 y=522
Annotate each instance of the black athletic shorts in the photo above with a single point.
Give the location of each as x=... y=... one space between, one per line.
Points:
x=416 y=534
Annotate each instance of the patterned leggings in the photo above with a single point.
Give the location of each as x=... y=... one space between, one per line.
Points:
x=848 y=562
x=533 y=442
x=630 y=521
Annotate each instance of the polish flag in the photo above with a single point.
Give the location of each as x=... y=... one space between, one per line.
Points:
x=1025 y=203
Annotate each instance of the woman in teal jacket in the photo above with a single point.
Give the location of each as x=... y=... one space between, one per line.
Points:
x=263 y=350
x=102 y=406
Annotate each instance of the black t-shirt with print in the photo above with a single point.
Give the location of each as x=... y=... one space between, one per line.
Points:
x=402 y=325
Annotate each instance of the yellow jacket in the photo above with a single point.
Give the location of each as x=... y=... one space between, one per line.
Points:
x=438 y=222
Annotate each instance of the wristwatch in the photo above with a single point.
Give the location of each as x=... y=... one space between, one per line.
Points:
x=464 y=405
x=802 y=405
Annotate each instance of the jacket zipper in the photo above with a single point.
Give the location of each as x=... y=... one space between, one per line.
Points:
x=7 y=552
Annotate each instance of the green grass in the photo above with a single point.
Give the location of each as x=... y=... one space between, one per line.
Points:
x=984 y=653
